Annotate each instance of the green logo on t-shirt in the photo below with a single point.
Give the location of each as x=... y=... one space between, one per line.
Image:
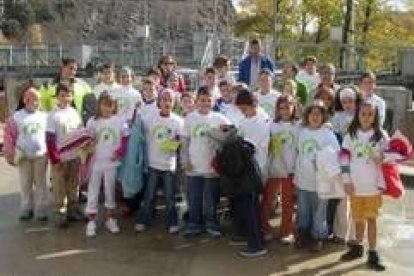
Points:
x=201 y=130
x=309 y=146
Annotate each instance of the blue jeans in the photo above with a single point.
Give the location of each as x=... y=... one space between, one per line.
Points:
x=311 y=214
x=146 y=212
x=202 y=192
x=247 y=215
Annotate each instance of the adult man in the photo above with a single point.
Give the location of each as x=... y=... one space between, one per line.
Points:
x=250 y=67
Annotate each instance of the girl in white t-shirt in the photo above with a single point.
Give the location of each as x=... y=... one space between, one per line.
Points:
x=366 y=141
x=284 y=132
x=111 y=138
x=162 y=131
x=25 y=147
x=311 y=209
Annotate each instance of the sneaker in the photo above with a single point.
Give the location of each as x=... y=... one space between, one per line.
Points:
x=173 y=229
x=112 y=225
x=355 y=251
x=75 y=215
x=374 y=261
x=213 y=232
x=289 y=239
x=248 y=253
x=236 y=240
x=91 y=229
x=26 y=215
x=189 y=233
x=139 y=227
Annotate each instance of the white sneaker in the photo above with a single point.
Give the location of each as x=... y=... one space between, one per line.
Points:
x=140 y=227
x=173 y=229
x=91 y=229
x=112 y=226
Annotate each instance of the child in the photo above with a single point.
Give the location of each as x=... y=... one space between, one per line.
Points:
x=223 y=103
x=327 y=96
x=222 y=66
x=64 y=173
x=266 y=96
x=346 y=103
x=311 y=210
x=111 y=140
x=162 y=133
x=106 y=80
x=149 y=94
x=198 y=152
x=284 y=133
x=25 y=147
x=366 y=141
x=211 y=81
x=289 y=88
x=254 y=129
x=309 y=74
x=186 y=104
x=127 y=97
x=155 y=74
x=367 y=88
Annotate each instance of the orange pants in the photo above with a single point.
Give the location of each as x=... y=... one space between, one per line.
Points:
x=267 y=205
x=272 y=187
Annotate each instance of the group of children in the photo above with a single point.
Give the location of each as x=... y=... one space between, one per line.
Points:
x=291 y=143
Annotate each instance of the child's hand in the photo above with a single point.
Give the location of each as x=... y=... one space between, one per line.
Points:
x=349 y=188
x=115 y=157
x=378 y=159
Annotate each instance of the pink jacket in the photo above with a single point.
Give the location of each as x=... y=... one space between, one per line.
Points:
x=10 y=139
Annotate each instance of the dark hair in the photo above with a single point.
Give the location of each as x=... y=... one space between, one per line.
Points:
x=220 y=61
x=107 y=66
x=61 y=86
x=323 y=89
x=368 y=75
x=204 y=91
x=294 y=66
x=26 y=86
x=355 y=124
x=187 y=95
x=210 y=70
x=266 y=71
x=148 y=81
x=64 y=62
x=154 y=71
x=289 y=100
x=223 y=82
x=318 y=104
x=338 y=104
x=326 y=67
x=255 y=41
x=105 y=97
x=245 y=97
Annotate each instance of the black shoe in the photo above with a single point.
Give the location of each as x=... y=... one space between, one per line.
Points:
x=75 y=215
x=26 y=215
x=355 y=251
x=61 y=220
x=42 y=218
x=316 y=246
x=374 y=261
x=237 y=240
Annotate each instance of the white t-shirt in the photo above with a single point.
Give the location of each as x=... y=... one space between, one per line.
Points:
x=159 y=129
x=268 y=102
x=109 y=132
x=366 y=175
x=201 y=147
x=311 y=81
x=31 y=127
x=282 y=160
x=128 y=98
x=149 y=110
x=309 y=143
x=61 y=121
x=257 y=130
x=341 y=121
x=232 y=113
x=98 y=89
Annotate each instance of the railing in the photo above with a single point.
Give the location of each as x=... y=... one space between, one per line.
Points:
x=207 y=59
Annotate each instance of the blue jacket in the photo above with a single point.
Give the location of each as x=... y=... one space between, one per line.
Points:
x=245 y=64
x=135 y=162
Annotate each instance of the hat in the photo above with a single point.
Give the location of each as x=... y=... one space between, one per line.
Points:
x=347 y=93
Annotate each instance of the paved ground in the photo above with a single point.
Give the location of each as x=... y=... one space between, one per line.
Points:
x=39 y=249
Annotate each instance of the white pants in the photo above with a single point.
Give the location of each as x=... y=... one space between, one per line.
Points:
x=108 y=175
x=33 y=191
x=344 y=227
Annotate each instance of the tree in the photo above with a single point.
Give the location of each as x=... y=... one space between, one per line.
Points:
x=11 y=28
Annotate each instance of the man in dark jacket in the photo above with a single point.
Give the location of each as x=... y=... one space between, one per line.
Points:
x=250 y=67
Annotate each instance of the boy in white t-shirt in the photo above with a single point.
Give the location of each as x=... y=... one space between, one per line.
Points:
x=149 y=93
x=61 y=121
x=266 y=96
x=309 y=74
x=107 y=80
x=198 y=152
x=162 y=131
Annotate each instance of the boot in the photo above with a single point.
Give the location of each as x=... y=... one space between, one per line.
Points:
x=374 y=261
x=355 y=251
x=301 y=239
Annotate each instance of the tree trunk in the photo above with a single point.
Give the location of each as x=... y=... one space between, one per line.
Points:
x=346 y=31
